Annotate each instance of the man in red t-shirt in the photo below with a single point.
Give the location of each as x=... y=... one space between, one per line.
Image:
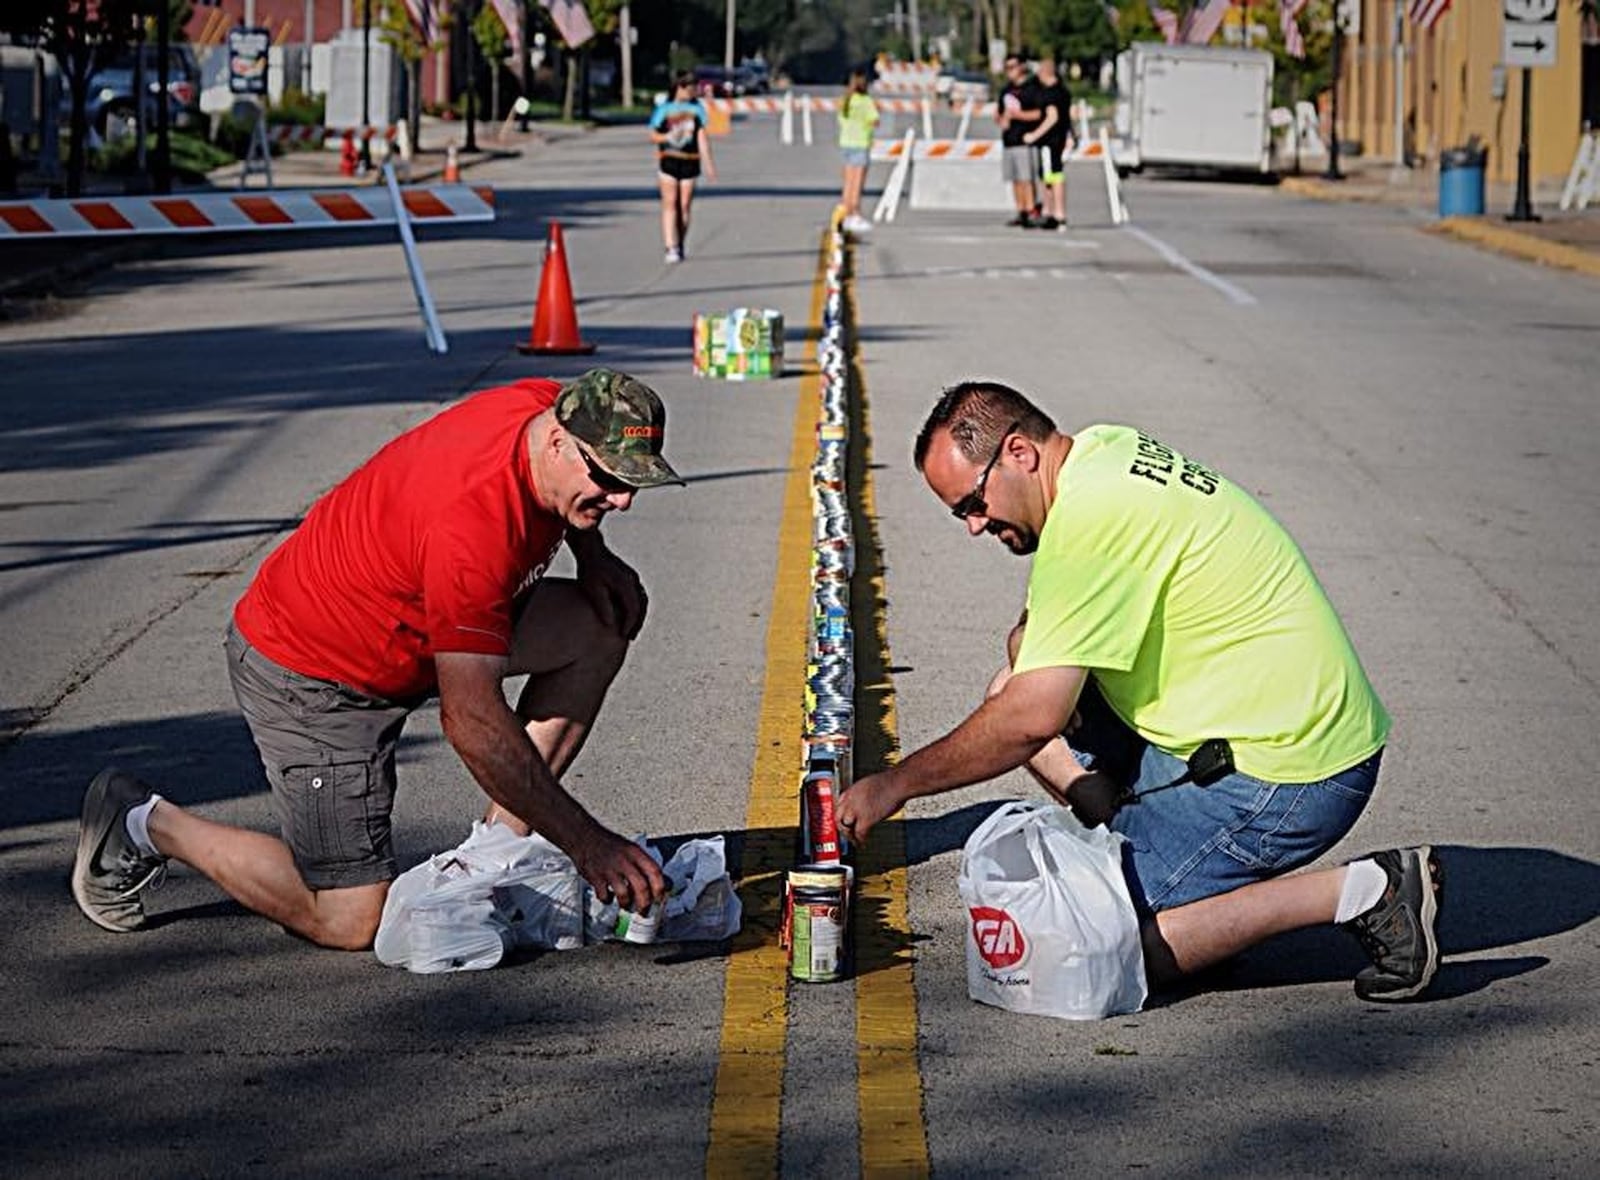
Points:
x=420 y=575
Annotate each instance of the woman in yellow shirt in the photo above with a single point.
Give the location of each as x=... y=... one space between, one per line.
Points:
x=858 y=115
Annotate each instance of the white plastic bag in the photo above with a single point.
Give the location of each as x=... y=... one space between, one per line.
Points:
x=1052 y=930
x=463 y=909
x=703 y=906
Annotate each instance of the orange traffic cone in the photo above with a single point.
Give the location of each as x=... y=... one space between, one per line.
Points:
x=452 y=166
x=555 y=319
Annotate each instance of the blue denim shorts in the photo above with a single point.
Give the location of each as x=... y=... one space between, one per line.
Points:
x=1191 y=842
x=856 y=157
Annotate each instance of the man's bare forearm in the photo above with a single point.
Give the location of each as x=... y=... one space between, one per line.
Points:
x=500 y=756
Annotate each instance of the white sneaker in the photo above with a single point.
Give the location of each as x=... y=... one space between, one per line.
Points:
x=673 y=256
x=857 y=224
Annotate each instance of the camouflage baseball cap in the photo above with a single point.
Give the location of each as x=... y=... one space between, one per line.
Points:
x=621 y=421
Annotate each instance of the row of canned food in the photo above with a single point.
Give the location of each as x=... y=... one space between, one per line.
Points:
x=817 y=891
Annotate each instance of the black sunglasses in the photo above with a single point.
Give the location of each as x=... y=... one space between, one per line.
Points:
x=603 y=479
x=973 y=503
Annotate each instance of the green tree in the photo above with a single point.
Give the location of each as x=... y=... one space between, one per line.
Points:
x=489 y=31
x=1075 y=31
x=397 y=30
x=1296 y=78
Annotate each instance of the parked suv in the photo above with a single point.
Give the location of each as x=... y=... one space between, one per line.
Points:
x=110 y=101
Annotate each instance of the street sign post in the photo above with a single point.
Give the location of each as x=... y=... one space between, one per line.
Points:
x=1529 y=43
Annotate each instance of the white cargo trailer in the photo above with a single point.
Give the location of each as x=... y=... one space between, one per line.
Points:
x=1193 y=106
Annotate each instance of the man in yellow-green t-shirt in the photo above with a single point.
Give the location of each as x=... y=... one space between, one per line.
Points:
x=1180 y=674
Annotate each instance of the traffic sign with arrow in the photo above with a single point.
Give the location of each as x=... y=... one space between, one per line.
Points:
x=1530 y=33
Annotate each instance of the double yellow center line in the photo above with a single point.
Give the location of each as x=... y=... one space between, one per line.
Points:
x=747 y=1101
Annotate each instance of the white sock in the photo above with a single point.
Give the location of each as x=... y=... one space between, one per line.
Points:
x=139 y=826
x=1364 y=883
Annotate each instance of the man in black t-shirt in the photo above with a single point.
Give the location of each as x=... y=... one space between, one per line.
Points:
x=1050 y=138
x=1019 y=110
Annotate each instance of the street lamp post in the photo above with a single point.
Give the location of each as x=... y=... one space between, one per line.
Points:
x=366 y=86
x=1332 y=172
x=1522 y=209
x=471 y=144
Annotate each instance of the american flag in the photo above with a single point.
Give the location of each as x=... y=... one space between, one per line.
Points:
x=510 y=12
x=1204 y=21
x=571 y=20
x=1167 y=21
x=1426 y=13
x=426 y=15
x=1289 y=20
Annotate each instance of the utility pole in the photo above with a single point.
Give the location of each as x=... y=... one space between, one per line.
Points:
x=916 y=33
x=162 y=171
x=727 y=50
x=310 y=40
x=1399 y=92
x=625 y=35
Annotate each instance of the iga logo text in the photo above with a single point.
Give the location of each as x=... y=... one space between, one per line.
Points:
x=999 y=939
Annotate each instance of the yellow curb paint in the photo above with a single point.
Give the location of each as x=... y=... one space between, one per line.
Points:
x=889 y=1076
x=1306 y=187
x=747 y=1099
x=1520 y=245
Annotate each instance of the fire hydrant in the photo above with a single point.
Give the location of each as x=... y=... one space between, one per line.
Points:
x=347 y=155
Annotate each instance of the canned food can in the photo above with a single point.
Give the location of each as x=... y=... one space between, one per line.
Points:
x=640 y=926
x=819 y=827
x=818 y=906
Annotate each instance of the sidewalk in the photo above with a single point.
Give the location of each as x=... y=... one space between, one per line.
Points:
x=1568 y=239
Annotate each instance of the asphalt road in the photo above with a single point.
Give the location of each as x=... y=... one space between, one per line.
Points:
x=1420 y=415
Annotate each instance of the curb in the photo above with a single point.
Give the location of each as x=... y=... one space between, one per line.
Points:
x=1518 y=244
x=47 y=278
x=1322 y=190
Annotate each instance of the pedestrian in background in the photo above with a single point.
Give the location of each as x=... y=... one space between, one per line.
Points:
x=420 y=575
x=1053 y=138
x=858 y=117
x=1019 y=110
x=678 y=129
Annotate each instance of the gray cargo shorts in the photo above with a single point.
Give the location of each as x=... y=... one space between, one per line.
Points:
x=1019 y=164
x=328 y=751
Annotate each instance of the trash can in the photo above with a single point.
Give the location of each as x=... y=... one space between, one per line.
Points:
x=1461 y=181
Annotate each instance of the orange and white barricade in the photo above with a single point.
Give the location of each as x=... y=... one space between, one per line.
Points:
x=236 y=212
x=906 y=77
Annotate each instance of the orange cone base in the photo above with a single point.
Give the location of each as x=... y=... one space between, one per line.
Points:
x=528 y=348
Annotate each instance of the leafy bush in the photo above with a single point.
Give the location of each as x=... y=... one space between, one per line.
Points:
x=192 y=157
x=298 y=108
x=231 y=133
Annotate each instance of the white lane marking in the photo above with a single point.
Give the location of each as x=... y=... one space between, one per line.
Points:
x=1061 y=242
x=1193 y=269
x=1060 y=273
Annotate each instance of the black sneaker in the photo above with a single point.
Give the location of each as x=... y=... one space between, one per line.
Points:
x=1398 y=932
x=1021 y=219
x=1046 y=223
x=110 y=872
